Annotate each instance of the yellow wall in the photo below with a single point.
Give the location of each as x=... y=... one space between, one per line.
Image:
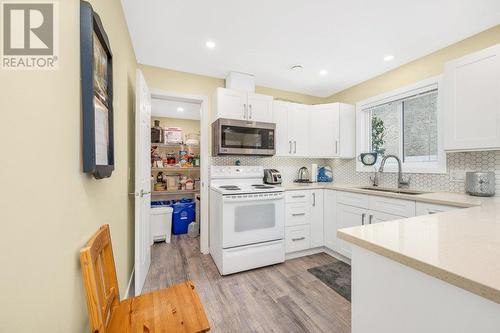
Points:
x=187 y=83
x=48 y=207
x=417 y=70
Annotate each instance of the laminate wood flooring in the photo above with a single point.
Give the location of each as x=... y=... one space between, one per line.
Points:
x=278 y=298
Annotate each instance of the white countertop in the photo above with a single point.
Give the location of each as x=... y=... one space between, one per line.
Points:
x=461 y=247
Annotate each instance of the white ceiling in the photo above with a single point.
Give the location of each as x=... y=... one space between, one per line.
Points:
x=265 y=37
x=175 y=109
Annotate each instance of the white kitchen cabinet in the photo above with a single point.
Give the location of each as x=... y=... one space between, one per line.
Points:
x=238 y=105
x=297 y=238
x=471 y=98
x=423 y=208
x=348 y=216
x=292 y=130
x=329 y=219
x=316 y=216
x=260 y=108
x=332 y=130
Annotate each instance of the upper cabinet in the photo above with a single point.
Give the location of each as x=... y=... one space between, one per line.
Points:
x=332 y=130
x=326 y=130
x=472 y=101
x=238 y=105
x=292 y=130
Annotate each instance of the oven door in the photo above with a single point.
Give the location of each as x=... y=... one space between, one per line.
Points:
x=252 y=218
x=237 y=137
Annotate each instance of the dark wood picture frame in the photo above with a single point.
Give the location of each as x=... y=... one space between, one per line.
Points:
x=92 y=35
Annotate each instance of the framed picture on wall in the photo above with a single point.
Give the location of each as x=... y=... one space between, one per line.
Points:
x=96 y=66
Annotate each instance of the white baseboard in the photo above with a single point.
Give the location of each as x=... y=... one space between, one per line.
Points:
x=316 y=250
x=129 y=286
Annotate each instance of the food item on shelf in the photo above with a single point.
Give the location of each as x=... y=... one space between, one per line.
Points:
x=173 y=135
x=184 y=159
x=172 y=182
x=192 y=139
x=196 y=161
x=159 y=187
x=183 y=183
x=189 y=184
x=171 y=160
x=157 y=133
x=197 y=183
x=159 y=177
x=158 y=164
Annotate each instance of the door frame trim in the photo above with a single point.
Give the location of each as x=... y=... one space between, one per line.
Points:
x=204 y=155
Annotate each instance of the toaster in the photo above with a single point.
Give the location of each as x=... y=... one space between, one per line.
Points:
x=481 y=184
x=272 y=176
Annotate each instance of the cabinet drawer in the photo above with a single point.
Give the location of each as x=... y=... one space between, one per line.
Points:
x=353 y=199
x=423 y=208
x=297 y=238
x=297 y=196
x=297 y=213
x=392 y=206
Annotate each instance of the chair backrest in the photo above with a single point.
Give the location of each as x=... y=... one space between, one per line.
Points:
x=99 y=278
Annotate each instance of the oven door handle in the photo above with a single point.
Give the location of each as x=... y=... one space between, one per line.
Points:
x=230 y=199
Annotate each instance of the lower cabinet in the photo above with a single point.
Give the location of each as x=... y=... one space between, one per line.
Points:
x=348 y=216
x=423 y=208
x=304 y=227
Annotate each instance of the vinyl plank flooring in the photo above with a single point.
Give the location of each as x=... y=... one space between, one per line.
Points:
x=281 y=298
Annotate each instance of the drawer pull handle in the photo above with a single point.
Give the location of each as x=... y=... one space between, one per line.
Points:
x=298 y=239
x=298 y=214
x=298 y=196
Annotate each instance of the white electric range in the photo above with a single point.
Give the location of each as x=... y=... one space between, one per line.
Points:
x=247 y=219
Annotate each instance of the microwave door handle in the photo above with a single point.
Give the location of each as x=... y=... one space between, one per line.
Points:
x=249 y=111
x=290 y=150
x=244 y=111
x=295 y=147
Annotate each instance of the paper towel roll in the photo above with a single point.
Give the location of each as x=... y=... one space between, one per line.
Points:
x=314 y=173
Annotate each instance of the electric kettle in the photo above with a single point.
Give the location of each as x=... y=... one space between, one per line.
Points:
x=303 y=176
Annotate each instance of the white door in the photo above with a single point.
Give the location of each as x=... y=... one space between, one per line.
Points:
x=298 y=129
x=260 y=108
x=348 y=216
x=330 y=218
x=317 y=233
x=323 y=130
x=143 y=240
x=472 y=101
x=231 y=104
x=280 y=117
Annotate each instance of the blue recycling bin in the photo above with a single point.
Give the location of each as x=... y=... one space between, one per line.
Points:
x=184 y=213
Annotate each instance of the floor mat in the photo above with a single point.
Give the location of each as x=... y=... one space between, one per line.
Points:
x=336 y=275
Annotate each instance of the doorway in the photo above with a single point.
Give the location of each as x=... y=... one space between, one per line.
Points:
x=169 y=166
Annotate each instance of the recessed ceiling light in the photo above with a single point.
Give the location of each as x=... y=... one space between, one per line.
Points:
x=388 y=58
x=180 y=109
x=323 y=72
x=210 y=44
x=296 y=68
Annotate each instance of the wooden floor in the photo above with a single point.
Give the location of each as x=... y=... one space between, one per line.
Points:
x=279 y=298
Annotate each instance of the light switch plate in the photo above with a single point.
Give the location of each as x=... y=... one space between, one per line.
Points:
x=457 y=176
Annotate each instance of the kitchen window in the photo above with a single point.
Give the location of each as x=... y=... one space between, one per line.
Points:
x=405 y=123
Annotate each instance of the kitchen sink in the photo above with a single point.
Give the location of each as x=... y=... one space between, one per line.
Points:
x=392 y=190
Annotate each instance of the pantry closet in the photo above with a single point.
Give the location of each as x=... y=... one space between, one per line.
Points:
x=175 y=169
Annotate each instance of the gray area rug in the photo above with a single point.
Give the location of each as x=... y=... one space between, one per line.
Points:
x=336 y=275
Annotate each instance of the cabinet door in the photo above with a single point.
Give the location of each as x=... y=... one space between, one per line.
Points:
x=260 y=108
x=377 y=217
x=316 y=218
x=348 y=216
x=298 y=129
x=323 y=130
x=231 y=104
x=347 y=131
x=330 y=219
x=280 y=118
x=472 y=101
x=423 y=208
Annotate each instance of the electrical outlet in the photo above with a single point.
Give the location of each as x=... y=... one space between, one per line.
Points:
x=457 y=175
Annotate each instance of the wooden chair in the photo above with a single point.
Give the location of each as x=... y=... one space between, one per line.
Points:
x=174 y=309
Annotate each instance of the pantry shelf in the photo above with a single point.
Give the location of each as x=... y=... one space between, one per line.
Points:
x=157 y=193
x=176 y=169
x=170 y=145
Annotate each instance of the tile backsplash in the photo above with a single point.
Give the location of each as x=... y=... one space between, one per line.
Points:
x=344 y=171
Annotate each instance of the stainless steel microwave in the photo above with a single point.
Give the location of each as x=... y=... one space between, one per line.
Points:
x=241 y=137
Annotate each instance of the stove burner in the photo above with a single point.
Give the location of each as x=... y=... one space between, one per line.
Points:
x=262 y=186
x=230 y=187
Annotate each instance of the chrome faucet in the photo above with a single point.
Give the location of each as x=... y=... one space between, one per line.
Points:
x=401 y=181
